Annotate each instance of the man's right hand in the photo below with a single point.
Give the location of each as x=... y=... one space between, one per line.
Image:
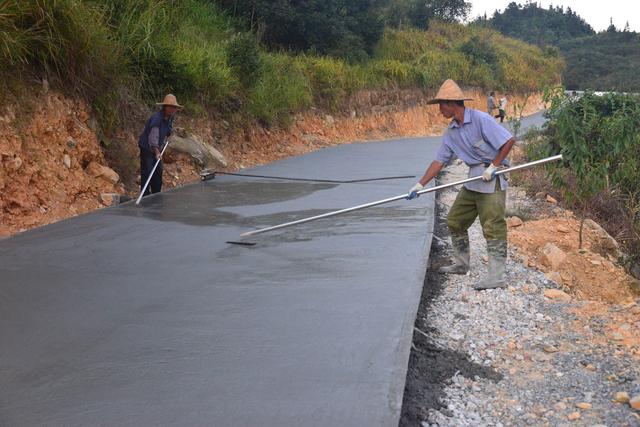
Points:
x=413 y=193
x=156 y=153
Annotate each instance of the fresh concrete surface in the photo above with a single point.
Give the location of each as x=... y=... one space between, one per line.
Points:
x=145 y=316
x=141 y=316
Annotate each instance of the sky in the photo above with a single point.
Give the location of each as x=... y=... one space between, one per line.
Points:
x=596 y=13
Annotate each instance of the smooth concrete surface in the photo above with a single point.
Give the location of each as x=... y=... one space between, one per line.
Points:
x=144 y=316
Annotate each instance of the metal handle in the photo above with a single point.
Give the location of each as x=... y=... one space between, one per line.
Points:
x=146 y=184
x=393 y=199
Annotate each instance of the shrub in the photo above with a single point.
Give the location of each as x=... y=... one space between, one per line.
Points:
x=243 y=56
x=282 y=90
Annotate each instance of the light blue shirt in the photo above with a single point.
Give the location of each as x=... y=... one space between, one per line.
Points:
x=477 y=143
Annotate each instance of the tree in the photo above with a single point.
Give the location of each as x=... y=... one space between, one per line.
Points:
x=418 y=13
x=348 y=28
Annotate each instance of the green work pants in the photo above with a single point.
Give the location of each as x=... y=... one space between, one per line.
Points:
x=490 y=207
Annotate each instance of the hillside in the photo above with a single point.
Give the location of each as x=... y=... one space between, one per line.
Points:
x=603 y=61
x=101 y=66
x=607 y=61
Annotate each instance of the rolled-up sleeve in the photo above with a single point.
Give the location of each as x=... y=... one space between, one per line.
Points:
x=444 y=154
x=154 y=137
x=494 y=134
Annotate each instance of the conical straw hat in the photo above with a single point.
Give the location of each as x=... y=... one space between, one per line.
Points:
x=449 y=91
x=170 y=100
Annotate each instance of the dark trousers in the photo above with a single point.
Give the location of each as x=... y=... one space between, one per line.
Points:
x=147 y=160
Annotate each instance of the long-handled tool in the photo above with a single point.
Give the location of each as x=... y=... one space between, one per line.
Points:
x=146 y=184
x=396 y=198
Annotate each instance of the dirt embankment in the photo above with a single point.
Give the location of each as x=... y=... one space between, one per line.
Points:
x=52 y=165
x=367 y=116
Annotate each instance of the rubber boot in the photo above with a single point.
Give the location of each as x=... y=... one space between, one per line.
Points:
x=460 y=256
x=497 y=251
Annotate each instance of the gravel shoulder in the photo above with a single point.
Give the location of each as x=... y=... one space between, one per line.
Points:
x=534 y=354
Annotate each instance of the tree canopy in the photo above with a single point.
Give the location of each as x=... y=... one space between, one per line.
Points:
x=599 y=61
x=537 y=25
x=345 y=28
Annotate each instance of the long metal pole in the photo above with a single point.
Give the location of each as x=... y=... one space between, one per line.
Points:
x=146 y=184
x=393 y=199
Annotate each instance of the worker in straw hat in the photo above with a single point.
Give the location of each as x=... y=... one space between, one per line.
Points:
x=152 y=140
x=475 y=138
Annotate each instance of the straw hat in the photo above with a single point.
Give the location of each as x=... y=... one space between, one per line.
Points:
x=170 y=100
x=449 y=91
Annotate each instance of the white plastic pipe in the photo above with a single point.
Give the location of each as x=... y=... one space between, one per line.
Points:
x=393 y=199
x=146 y=184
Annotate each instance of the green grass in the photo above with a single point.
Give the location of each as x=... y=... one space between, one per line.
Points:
x=119 y=51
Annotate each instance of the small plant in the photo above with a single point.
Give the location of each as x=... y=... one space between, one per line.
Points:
x=243 y=56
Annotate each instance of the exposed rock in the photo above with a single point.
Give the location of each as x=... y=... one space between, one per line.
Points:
x=551 y=200
x=574 y=416
x=634 y=402
x=16 y=164
x=67 y=161
x=329 y=120
x=584 y=405
x=603 y=243
x=555 y=277
x=205 y=155
x=622 y=397
x=514 y=221
x=552 y=256
x=97 y=170
x=541 y=196
x=109 y=199
x=560 y=406
x=563 y=229
x=557 y=295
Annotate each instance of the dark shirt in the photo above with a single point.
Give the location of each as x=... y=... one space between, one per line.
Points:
x=155 y=132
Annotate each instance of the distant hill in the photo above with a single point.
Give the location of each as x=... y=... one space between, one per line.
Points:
x=605 y=61
x=539 y=26
x=608 y=60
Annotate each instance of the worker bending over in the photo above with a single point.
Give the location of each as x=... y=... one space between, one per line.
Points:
x=475 y=138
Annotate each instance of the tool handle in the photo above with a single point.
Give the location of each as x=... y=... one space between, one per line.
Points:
x=396 y=198
x=146 y=184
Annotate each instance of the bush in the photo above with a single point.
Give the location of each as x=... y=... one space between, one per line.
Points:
x=328 y=79
x=243 y=56
x=598 y=138
x=282 y=90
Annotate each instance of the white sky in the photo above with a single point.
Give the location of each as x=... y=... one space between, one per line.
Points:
x=596 y=13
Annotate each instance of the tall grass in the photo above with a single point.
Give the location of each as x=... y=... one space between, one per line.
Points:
x=107 y=50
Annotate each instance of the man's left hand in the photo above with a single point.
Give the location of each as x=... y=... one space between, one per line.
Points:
x=489 y=173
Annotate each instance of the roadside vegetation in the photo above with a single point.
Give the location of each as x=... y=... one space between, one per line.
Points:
x=598 y=138
x=236 y=57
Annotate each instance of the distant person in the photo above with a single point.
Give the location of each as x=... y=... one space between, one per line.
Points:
x=152 y=140
x=502 y=108
x=475 y=138
x=491 y=103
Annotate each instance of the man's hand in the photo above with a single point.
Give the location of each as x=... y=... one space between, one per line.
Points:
x=156 y=153
x=413 y=193
x=489 y=173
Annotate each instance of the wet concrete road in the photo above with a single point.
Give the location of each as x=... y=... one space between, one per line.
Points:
x=136 y=316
